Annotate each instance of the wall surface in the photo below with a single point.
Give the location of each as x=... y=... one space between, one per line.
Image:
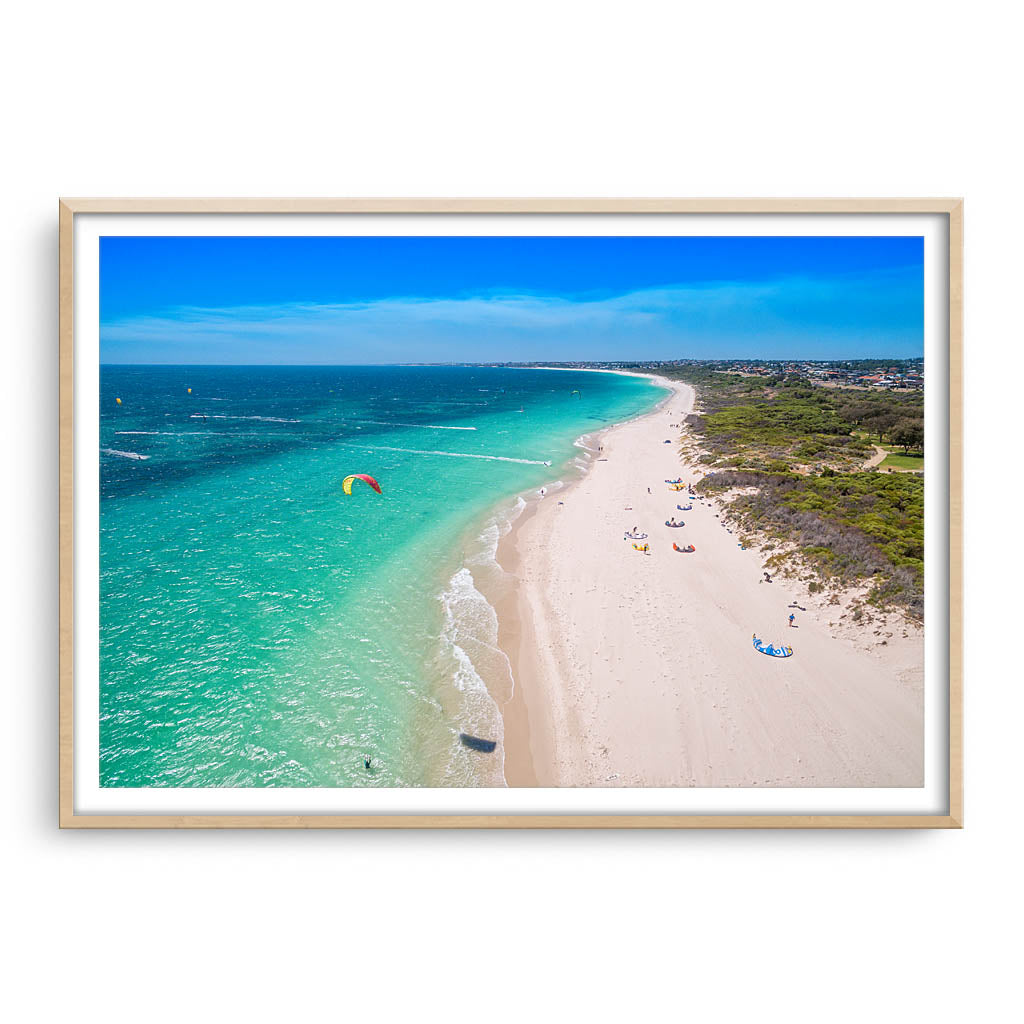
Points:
x=501 y=99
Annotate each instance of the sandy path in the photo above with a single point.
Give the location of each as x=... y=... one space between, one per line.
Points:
x=638 y=669
x=878 y=457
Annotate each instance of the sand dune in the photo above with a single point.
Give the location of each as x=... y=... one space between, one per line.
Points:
x=638 y=670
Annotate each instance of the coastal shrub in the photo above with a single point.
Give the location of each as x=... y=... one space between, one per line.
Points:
x=850 y=525
x=726 y=479
x=785 y=418
x=901 y=588
x=809 y=449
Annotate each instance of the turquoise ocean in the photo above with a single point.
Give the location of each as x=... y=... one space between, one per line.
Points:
x=260 y=628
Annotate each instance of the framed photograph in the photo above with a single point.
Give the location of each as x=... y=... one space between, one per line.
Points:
x=510 y=513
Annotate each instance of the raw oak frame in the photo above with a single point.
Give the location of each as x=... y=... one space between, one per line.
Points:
x=952 y=208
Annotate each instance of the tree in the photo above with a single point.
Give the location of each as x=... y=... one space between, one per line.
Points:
x=882 y=423
x=909 y=434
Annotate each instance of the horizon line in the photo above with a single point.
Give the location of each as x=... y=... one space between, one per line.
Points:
x=532 y=364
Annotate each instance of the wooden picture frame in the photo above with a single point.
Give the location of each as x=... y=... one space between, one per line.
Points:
x=951 y=209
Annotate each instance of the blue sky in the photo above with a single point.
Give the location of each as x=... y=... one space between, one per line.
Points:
x=337 y=300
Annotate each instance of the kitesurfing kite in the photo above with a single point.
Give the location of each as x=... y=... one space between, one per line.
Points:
x=346 y=484
x=771 y=650
x=571 y=393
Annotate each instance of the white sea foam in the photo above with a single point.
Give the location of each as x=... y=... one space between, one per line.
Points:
x=221 y=416
x=470 y=631
x=421 y=426
x=450 y=455
x=468 y=617
x=552 y=488
x=486 y=555
x=195 y=433
x=124 y=455
x=470 y=634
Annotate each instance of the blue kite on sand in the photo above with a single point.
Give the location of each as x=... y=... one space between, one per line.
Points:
x=771 y=650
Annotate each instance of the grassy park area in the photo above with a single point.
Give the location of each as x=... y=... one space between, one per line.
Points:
x=911 y=463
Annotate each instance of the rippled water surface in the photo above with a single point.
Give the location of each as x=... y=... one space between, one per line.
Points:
x=258 y=627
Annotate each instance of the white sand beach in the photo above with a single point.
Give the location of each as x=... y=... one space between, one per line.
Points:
x=638 y=669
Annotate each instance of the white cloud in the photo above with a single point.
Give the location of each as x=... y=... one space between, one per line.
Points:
x=681 y=320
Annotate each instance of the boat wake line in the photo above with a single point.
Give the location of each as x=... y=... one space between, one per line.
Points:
x=221 y=416
x=450 y=455
x=124 y=455
x=421 y=426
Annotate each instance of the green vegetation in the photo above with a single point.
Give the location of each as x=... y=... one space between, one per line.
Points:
x=913 y=463
x=773 y=422
x=885 y=416
x=797 y=450
x=850 y=527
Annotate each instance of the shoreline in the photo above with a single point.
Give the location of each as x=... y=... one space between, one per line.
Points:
x=530 y=737
x=515 y=634
x=496 y=586
x=638 y=670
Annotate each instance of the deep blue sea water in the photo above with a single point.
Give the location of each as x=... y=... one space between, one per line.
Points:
x=260 y=628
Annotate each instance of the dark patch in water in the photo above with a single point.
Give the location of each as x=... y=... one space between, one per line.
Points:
x=474 y=743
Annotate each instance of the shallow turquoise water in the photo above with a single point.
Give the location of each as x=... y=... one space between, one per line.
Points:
x=258 y=627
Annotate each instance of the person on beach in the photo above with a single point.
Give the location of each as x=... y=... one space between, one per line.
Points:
x=648 y=490
x=791 y=618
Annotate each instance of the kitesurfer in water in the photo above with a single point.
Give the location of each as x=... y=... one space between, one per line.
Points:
x=367 y=763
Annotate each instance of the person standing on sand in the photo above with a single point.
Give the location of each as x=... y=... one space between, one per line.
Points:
x=792 y=616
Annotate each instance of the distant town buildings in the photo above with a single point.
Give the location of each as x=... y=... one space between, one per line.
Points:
x=907 y=375
x=890 y=375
